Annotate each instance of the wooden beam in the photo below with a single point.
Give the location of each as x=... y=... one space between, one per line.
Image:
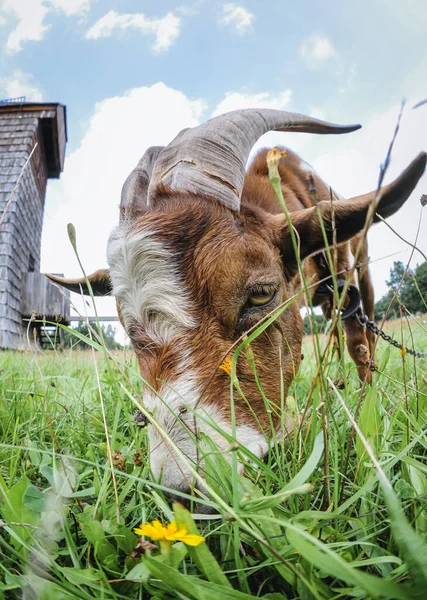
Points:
x=91 y=318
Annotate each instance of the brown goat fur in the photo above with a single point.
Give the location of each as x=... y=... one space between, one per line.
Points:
x=221 y=255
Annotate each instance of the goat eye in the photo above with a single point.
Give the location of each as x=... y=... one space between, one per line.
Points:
x=261 y=296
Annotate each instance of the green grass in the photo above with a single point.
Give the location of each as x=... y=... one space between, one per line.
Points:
x=357 y=531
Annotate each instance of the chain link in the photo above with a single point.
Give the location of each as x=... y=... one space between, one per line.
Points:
x=365 y=322
x=353 y=308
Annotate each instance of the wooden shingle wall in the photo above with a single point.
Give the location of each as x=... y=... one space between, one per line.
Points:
x=21 y=229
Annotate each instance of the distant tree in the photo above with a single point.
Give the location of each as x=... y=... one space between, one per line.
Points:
x=318 y=319
x=421 y=277
x=108 y=333
x=397 y=273
x=387 y=305
x=402 y=284
x=417 y=293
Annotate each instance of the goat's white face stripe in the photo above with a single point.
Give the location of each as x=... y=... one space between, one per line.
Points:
x=180 y=426
x=152 y=294
x=148 y=287
x=168 y=409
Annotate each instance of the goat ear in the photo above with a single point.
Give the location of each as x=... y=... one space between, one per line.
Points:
x=100 y=283
x=344 y=219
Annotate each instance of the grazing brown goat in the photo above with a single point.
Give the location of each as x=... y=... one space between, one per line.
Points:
x=202 y=253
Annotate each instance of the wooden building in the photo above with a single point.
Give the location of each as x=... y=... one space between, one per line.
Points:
x=32 y=150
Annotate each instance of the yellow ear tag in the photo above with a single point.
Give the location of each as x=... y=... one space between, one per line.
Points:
x=226 y=366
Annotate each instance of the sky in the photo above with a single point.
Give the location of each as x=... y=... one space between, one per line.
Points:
x=134 y=73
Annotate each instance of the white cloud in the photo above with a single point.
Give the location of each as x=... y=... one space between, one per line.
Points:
x=190 y=10
x=71 y=7
x=348 y=81
x=30 y=26
x=88 y=193
x=237 y=16
x=237 y=100
x=165 y=30
x=319 y=112
x=31 y=15
x=20 y=84
x=316 y=50
x=2 y=21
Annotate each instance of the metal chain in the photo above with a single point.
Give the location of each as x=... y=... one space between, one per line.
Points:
x=353 y=308
x=365 y=322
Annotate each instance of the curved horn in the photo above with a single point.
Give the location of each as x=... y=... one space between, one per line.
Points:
x=135 y=188
x=392 y=196
x=211 y=159
x=100 y=283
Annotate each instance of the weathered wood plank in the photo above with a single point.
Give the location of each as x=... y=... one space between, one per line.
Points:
x=17 y=143
x=43 y=298
x=13 y=121
x=81 y=318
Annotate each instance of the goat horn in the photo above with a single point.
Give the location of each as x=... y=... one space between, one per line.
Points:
x=211 y=159
x=100 y=283
x=135 y=188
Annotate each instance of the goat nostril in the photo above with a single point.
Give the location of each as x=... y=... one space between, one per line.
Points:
x=361 y=349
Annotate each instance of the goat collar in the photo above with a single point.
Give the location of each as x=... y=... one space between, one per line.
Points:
x=325 y=288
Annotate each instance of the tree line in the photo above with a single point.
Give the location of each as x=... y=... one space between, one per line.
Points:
x=405 y=287
x=74 y=341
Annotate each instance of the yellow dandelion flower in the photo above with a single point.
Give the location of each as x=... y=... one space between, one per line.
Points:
x=226 y=366
x=274 y=155
x=172 y=532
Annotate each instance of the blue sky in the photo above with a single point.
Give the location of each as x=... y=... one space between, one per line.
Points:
x=374 y=48
x=134 y=73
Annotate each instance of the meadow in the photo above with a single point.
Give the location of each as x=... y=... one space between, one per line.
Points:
x=338 y=511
